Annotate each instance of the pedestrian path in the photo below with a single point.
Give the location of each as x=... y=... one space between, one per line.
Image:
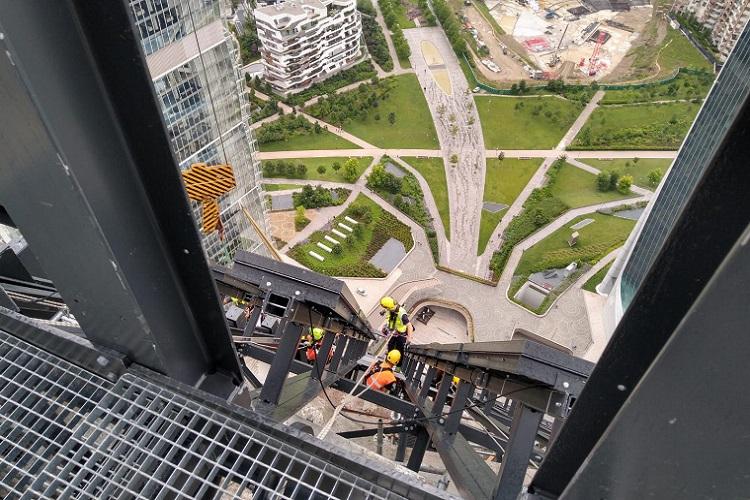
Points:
x=490 y=153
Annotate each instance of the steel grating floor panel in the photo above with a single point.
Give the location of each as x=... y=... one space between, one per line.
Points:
x=67 y=433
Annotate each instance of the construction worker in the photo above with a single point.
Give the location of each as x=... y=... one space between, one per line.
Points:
x=397 y=325
x=311 y=343
x=381 y=377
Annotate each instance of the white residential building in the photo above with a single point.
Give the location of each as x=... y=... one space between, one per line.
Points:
x=725 y=19
x=306 y=41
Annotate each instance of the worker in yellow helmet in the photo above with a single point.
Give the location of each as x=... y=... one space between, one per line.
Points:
x=381 y=377
x=311 y=342
x=397 y=325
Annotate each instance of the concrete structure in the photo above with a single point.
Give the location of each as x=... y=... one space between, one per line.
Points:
x=652 y=230
x=305 y=41
x=191 y=59
x=725 y=19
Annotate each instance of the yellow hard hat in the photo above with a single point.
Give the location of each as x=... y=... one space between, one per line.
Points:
x=317 y=333
x=393 y=357
x=388 y=303
x=456 y=380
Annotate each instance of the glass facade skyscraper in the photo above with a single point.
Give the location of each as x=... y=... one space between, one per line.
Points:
x=191 y=58
x=730 y=91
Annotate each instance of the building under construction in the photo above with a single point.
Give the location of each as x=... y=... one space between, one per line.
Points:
x=147 y=394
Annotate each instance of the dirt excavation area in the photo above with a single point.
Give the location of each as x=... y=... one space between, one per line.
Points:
x=548 y=39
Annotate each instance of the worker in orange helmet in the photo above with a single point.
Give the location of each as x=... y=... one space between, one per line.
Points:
x=381 y=377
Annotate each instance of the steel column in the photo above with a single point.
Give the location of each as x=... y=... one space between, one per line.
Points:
x=517 y=453
x=341 y=342
x=417 y=452
x=91 y=181
x=438 y=403
x=401 y=448
x=431 y=371
x=282 y=362
x=322 y=359
x=463 y=391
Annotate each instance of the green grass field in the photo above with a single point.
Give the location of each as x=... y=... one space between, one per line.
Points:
x=413 y=127
x=503 y=182
x=577 y=188
x=645 y=126
x=280 y=187
x=680 y=53
x=684 y=86
x=525 y=122
x=330 y=174
x=593 y=282
x=638 y=170
x=355 y=254
x=323 y=140
x=433 y=171
x=594 y=242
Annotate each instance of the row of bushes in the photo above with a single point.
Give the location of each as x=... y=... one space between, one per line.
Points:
x=611 y=181
x=451 y=26
x=376 y=44
x=358 y=104
x=357 y=73
x=541 y=208
x=388 y=7
x=667 y=135
x=286 y=127
x=317 y=197
x=260 y=109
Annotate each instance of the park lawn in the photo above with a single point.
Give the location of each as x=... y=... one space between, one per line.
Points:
x=594 y=242
x=680 y=53
x=684 y=86
x=433 y=171
x=638 y=170
x=330 y=174
x=525 y=122
x=577 y=188
x=281 y=187
x=413 y=129
x=503 y=182
x=356 y=253
x=593 y=282
x=640 y=126
x=323 y=140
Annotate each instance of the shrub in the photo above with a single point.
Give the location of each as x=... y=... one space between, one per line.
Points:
x=300 y=220
x=337 y=249
x=602 y=181
x=321 y=169
x=351 y=170
x=382 y=180
x=624 y=184
x=336 y=166
x=654 y=177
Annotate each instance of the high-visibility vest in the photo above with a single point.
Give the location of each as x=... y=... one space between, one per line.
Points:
x=381 y=379
x=396 y=322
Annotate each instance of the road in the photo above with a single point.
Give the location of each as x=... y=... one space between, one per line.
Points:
x=490 y=153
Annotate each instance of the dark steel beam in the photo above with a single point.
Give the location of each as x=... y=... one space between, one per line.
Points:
x=463 y=391
x=515 y=460
x=418 y=450
x=282 y=363
x=427 y=384
x=91 y=181
x=397 y=429
x=322 y=357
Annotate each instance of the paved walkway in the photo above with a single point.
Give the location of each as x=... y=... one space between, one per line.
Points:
x=537 y=180
x=490 y=153
x=460 y=133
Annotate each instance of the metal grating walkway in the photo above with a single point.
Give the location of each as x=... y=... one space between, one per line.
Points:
x=67 y=433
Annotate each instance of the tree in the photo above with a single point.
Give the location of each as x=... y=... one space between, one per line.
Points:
x=602 y=181
x=300 y=220
x=624 y=184
x=321 y=169
x=382 y=180
x=302 y=170
x=614 y=177
x=454 y=158
x=337 y=249
x=514 y=91
x=391 y=117
x=336 y=166
x=351 y=170
x=522 y=87
x=501 y=155
x=654 y=177
x=358 y=231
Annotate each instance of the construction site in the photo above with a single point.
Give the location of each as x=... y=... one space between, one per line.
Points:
x=570 y=39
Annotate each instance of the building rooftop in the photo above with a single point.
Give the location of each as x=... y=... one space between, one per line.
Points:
x=294 y=8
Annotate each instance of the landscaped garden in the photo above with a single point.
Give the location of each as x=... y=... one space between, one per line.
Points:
x=685 y=86
x=334 y=169
x=577 y=188
x=351 y=256
x=358 y=73
x=595 y=240
x=640 y=126
x=280 y=187
x=598 y=277
x=295 y=133
x=433 y=171
x=389 y=113
x=646 y=172
x=525 y=122
x=376 y=44
x=401 y=189
x=503 y=182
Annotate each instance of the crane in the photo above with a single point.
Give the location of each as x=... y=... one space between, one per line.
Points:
x=595 y=55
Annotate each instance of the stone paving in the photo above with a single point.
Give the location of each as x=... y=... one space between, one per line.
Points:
x=460 y=133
